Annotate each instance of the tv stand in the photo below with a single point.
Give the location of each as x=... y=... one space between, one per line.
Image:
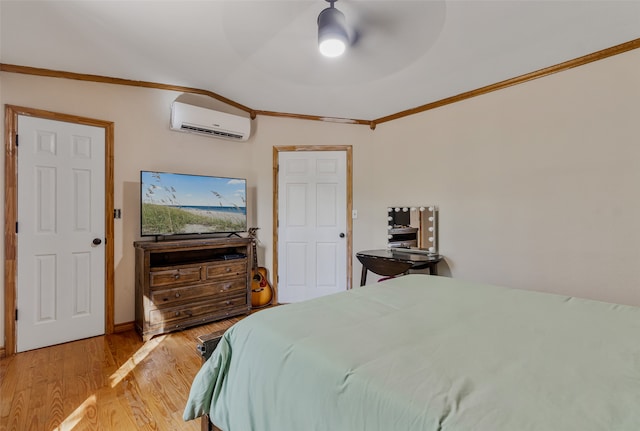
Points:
x=189 y=282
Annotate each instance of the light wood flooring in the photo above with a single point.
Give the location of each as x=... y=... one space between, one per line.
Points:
x=113 y=382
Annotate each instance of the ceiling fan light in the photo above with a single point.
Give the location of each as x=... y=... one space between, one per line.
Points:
x=332 y=47
x=332 y=32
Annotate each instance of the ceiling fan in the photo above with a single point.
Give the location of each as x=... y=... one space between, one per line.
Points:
x=333 y=36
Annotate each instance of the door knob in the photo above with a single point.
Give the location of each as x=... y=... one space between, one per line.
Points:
x=97 y=241
x=341 y=234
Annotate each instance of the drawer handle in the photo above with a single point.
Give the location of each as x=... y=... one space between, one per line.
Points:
x=228 y=269
x=229 y=302
x=227 y=286
x=177 y=295
x=177 y=276
x=177 y=313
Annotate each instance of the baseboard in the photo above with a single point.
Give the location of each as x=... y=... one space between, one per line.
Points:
x=124 y=327
x=2 y=352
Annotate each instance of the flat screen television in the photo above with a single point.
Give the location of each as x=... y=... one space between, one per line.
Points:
x=182 y=204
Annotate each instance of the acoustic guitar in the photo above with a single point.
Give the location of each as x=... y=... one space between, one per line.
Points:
x=261 y=290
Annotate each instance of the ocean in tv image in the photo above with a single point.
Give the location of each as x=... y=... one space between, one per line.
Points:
x=177 y=204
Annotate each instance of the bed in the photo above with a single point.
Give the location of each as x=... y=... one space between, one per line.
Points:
x=422 y=352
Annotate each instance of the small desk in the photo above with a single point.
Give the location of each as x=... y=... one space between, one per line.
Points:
x=391 y=262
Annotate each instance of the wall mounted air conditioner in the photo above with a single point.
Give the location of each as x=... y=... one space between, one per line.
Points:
x=203 y=121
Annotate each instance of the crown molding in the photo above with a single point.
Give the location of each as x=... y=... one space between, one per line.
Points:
x=580 y=61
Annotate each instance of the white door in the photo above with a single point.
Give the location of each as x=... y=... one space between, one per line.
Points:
x=60 y=275
x=312 y=243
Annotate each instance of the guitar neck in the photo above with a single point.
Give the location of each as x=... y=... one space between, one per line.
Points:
x=252 y=234
x=255 y=253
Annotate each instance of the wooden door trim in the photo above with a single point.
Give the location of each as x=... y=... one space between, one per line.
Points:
x=276 y=154
x=11 y=213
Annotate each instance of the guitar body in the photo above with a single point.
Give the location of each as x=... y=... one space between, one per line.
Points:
x=261 y=291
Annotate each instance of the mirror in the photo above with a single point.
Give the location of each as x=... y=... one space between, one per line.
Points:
x=413 y=227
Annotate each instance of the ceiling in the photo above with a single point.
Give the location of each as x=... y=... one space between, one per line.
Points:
x=263 y=54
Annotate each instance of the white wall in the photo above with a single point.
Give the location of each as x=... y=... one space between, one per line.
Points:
x=536 y=184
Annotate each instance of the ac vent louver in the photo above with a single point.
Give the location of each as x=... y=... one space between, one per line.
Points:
x=219 y=133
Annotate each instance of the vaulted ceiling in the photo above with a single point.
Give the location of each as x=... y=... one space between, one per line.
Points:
x=263 y=54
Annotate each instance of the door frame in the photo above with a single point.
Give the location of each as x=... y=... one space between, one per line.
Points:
x=276 y=157
x=11 y=213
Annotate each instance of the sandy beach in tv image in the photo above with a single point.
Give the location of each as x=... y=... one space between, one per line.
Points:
x=230 y=216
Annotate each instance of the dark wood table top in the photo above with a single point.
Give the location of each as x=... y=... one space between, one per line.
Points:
x=402 y=255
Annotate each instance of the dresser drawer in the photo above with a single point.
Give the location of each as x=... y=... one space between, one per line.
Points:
x=172 y=316
x=176 y=295
x=226 y=268
x=175 y=277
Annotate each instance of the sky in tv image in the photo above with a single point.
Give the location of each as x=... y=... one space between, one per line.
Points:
x=178 y=190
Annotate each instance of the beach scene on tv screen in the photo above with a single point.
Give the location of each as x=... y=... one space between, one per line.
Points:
x=175 y=204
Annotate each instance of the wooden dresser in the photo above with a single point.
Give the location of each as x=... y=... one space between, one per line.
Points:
x=184 y=283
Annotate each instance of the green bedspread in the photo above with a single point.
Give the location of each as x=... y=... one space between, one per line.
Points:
x=427 y=353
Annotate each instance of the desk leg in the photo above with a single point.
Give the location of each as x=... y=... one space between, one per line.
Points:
x=363 y=276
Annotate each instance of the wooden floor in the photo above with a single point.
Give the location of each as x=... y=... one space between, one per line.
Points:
x=113 y=382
